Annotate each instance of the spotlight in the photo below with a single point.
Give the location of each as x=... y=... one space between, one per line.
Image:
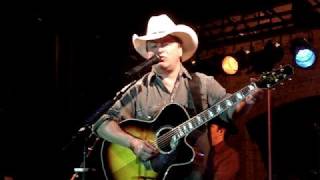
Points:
x=304 y=54
x=230 y=65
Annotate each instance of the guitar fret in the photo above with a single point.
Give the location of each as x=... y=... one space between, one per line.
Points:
x=218 y=109
x=215 y=110
x=185 y=129
x=174 y=138
x=199 y=120
x=194 y=124
x=245 y=91
x=233 y=99
x=180 y=132
x=205 y=115
x=239 y=96
x=251 y=87
x=228 y=103
x=225 y=104
x=210 y=114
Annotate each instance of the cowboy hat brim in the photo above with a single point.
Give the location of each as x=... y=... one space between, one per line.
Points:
x=230 y=126
x=187 y=36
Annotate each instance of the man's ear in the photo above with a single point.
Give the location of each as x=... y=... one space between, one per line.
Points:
x=221 y=130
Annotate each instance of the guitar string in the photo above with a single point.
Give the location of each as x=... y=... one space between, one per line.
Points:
x=166 y=137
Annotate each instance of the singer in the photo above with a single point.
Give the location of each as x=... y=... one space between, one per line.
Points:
x=139 y=129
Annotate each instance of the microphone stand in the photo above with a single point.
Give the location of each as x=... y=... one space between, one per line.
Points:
x=83 y=169
x=87 y=151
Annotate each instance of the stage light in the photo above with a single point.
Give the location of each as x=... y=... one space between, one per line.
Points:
x=230 y=65
x=304 y=54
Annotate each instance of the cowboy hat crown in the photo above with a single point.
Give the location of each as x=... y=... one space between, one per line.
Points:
x=161 y=26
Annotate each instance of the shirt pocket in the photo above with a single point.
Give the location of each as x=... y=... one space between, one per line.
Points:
x=144 y=113
x=155 y=109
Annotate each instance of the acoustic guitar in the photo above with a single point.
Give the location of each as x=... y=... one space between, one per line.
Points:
x=169 y=132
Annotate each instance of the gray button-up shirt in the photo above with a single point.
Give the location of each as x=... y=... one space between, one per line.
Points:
x=149 y=95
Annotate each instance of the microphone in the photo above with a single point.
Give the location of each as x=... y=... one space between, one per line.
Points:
x=153 y=60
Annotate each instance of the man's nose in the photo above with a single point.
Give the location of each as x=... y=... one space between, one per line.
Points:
x=160 y=47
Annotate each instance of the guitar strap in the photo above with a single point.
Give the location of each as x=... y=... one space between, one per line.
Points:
x=195 y=88
x=199 y=138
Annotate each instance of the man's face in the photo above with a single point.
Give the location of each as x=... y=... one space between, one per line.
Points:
x=217 y=134
x=168 y=49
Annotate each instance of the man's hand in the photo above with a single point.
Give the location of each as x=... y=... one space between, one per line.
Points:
x=143 y=149
x=244 y=106
x=257 y=94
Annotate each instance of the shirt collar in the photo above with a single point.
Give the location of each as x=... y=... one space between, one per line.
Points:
x=183 y=73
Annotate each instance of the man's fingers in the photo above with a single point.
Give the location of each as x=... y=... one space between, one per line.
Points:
x=149 y=148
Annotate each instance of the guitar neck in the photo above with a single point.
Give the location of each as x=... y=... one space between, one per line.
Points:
x=212 y=112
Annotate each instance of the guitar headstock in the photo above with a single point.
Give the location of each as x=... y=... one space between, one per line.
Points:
x=272 y=78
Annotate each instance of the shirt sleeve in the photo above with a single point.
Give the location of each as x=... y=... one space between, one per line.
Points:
x=122 y=109
x=228 y=168
x=216 y=92
x=125 y=107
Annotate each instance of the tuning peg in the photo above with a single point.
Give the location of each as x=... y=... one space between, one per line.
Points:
x=281 y=83
x=289 y=79
x=273 y=89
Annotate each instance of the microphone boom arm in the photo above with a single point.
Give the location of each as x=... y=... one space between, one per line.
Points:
x=153 y=60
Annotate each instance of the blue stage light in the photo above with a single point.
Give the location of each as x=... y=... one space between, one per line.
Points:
x=304 y=54
x=305 y=58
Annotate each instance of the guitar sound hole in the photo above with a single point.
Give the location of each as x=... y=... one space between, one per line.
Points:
x=164 y=138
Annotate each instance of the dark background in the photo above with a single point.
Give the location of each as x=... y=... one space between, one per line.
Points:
x=61 y=61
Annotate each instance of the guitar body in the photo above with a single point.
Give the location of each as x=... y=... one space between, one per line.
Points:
x=122 y=164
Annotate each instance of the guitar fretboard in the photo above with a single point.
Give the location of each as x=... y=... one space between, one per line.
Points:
x=207 y=115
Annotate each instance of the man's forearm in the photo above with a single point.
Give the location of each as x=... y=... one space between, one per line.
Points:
x=242 y=108
x=111 y=131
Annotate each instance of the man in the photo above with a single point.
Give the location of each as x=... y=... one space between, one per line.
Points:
x=223 y=161
x=168 y=82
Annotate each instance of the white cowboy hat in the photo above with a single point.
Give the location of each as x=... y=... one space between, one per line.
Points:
x=161 y=26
